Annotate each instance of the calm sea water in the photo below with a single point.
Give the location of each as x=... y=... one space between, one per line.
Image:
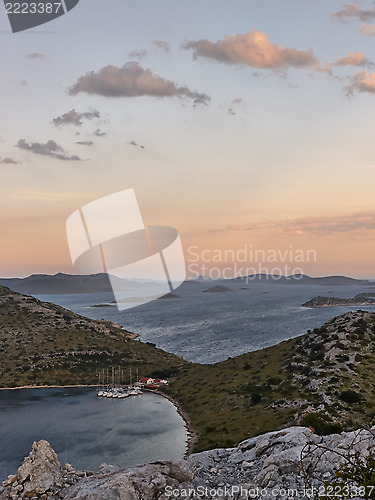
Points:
x=85 y=430
x=209 y=327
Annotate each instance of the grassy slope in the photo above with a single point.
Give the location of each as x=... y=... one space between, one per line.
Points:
x=44 y=344
x=298 y=381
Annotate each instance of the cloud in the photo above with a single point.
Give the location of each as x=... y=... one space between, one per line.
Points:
x=367 y=30
x=200 y=99
x=236 y=102
x=362 y=82
x=74 y=118
x=161 y=44
x=352 y=59
x=353 y=11
x=317 y=226
x=50 y=148
x=99 y=133
x=9 y=161
x=133 y=143
x=138 y=54
x=131 y=80
x=35 y=55
x=85 y=143
x=252 y=49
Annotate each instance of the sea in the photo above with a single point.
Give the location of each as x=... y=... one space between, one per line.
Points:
x=207 y=327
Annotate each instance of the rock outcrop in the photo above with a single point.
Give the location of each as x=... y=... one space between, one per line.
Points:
x=261 y=467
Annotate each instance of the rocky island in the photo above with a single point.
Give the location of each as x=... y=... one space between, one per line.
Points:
x=362 y=299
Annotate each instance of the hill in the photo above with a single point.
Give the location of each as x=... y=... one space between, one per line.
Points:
x=322 y=379
x=300 y=279
x=45 y=344
x=60 y=283
x=45 y=284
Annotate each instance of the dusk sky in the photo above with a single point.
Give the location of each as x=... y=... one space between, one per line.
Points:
x=238 y=123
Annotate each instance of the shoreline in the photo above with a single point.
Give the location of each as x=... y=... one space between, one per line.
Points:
x=45 y=387
x=192 y=435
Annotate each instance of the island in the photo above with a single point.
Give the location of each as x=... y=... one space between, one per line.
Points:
x=218 y=289
x=362 y=299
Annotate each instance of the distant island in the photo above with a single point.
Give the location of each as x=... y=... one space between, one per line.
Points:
x=61 y=283
x=218 y=289
x=300 y=279
x=362 y=299
x=169 y=295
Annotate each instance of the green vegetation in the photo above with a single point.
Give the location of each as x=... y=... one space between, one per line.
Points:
x=44 y=344
x=322 y=379
x=356 y=475
x=320 y=424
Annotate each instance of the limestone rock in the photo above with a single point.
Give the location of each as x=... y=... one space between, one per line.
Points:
x=289 y=458
x=148 y=481
x=40 y=470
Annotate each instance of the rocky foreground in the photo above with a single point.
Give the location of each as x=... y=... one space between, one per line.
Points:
x=289 y=463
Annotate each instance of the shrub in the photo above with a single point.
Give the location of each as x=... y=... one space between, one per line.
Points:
x=274 y=380
x=320 y=426
x=256 y=398
x=350 y=396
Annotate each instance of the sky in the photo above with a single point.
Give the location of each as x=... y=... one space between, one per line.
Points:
x=242 y=124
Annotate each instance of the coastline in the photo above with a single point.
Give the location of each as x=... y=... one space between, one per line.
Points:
x=192 y=433
x=346 y=304
x=44 y=387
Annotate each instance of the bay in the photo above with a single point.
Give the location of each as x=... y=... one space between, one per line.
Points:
x=85 y=430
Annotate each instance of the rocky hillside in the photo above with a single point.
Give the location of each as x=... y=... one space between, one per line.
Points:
x=45 y=344
x=362 y=299
x=294 y=460
x=322 y=379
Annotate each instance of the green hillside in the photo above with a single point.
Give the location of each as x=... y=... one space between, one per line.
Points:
x=45 y=344
x=323 y=379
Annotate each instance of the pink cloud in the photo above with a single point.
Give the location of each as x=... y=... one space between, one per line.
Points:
x=131 y=80
x=353 y=11
x=252 y=49
x=318 y=226
x=362 y=82
x=352 y=59
x=368 y=30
